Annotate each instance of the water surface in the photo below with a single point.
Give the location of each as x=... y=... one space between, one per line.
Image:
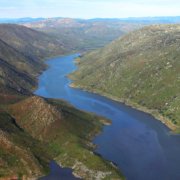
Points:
x=59 y=173
x=141 y=146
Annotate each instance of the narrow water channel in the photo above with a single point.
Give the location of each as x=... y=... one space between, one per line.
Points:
x=141 y=146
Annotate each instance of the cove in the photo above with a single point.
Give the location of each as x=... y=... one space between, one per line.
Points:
x=58 y=173
x=141 y=146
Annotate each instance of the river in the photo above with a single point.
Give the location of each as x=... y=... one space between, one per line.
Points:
x=141 y=146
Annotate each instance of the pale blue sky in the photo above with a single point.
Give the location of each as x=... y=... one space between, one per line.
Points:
x=88 y=8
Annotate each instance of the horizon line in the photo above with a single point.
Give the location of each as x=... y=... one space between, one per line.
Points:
x=66 y=17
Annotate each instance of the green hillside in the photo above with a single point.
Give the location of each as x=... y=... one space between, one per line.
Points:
x=141 y=69
x=67 y=134
x=81 y=34
x=20 y=154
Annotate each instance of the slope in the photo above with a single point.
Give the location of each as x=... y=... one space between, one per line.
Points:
x=22 y=51
x=33 y=130
x=141 y=69
x=20 y=154
x=81 y=34
x=67 y=134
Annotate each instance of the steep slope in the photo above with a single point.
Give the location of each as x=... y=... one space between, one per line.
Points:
x=34 y=44
x=80 y=35
x=21 y=59
x=22 y=51
x=67 y=133
x=141 y=69
x=20 y=154
x=34 y=130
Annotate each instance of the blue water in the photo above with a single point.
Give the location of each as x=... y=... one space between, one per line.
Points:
x=58 y=173
x=142 y=147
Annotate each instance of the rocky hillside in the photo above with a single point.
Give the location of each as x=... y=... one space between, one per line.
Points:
x=31 y=43
x=35 y=115
x=80 y=34
x=20 y=154
x=22 y=51
x=67 y=134
x=141 y=69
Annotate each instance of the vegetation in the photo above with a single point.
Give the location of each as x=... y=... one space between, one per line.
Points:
x=141 y=69
x=21 y=57
x=34 y=130
x=67 y=133
x=83 y=35
x=20 y=154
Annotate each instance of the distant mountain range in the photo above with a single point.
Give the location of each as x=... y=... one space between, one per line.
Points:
x=153 y=20
x=163 y=19
x=21 y=57
x=87 y=34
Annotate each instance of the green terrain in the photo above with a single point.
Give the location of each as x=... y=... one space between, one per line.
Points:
x=21 y=57
x=141 y=69
x=34 y=130
x=81 y=34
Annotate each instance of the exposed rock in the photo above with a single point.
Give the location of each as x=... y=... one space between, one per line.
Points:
x=35 y=115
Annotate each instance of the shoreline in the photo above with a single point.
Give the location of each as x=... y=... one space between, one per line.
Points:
x=172 y=127
x=103 y=121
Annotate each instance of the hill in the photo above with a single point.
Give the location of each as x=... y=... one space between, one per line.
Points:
x=66 y=134
x=20 y=154
x=141 y=69
x=22 y=51
x=34 y=130
x=81 y=34
x=19 y=20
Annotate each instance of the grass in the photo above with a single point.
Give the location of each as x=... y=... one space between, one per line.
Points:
x=141 y=69
x=72 y=145
x=19 y=152
x=34 y=131
x=66 y=133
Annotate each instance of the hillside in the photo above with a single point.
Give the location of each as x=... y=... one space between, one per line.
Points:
x=67 y=134
x=34 y=130
x=22 y=51
x=32 y=43
x=141 y=69
x=82 y=35
x=20 y=154
x=21 y=59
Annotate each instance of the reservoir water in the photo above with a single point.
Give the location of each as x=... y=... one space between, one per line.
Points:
x=141 y=146
x=59 y=173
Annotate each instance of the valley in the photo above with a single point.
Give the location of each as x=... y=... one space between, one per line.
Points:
x=53 y=105
x=140 y=69
x=133 y=141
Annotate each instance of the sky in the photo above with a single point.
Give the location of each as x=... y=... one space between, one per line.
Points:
x=87 y=9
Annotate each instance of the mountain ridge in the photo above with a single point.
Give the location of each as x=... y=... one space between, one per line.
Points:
x=35 y=130
x=83 y=35
x=22 y=53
